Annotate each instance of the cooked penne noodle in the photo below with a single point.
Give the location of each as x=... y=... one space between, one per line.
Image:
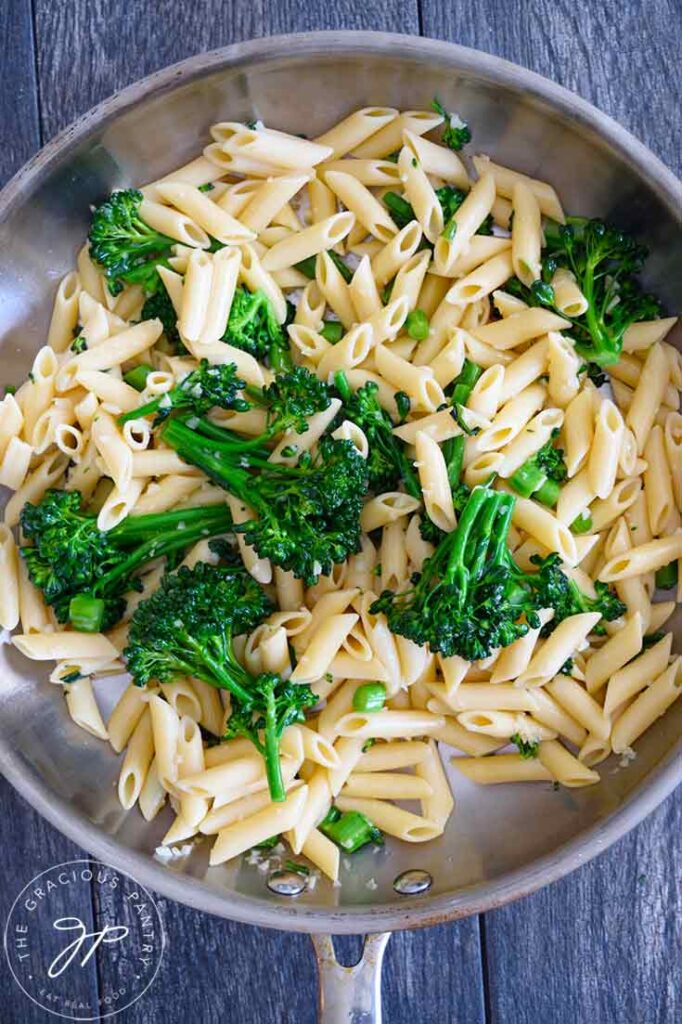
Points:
x=308 y=242
x=411 y=828
x=564 y=768
x=466 y=221
x=491 y=771
x=83 y=709
x=637 y=674
x=651 y=703
x=389 y=724
x=506 y=179
x=644 y=558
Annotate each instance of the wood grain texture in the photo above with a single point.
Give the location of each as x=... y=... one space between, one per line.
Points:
x=19 y=125
x=603 y=944
x=29 y=846
x=117 y=45
x=217 y=972
x=623 y=57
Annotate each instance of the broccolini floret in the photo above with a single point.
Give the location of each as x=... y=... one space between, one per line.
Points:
x=471 y=597
x=387 y=464
x=604 y=261
x=188 y=626
x=205 y=388
x=127 y=249
x=252 y=326
x=528 y=749
x=71 y=558
x=288 y=402
x=306 y=516
x=566 y=598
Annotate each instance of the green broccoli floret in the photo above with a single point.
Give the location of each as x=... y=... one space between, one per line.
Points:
x=187 y=627
x=83 y=572
x=526 y=748
x=566 y=598
x=307 y=515
x=471 y=597
x=387 y=464
x=252 y=326
x=289 y=401
x=125 y=246
x=541 y=475
x=456 y=132
x=158 y=306
x=205 y=388
x=604 y=261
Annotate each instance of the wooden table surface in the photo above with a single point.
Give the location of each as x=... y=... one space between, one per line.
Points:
x=603 y=946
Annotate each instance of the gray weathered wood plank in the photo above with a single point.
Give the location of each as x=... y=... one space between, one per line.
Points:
x=602 y=945
x=19 y=122
x=31 y=846
x=116 y=46
x=623 y=57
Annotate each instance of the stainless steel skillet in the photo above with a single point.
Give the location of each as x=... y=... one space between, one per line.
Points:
x=503 y=842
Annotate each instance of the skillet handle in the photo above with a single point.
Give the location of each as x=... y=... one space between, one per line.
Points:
x=350 y=995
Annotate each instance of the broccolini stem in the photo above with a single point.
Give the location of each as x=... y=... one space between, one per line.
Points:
x=342 y=386
x=499 y=552
x=484 y=533
x=137 y=377
x=228 y=439
x=136 y=528
x=142 y=410
x=464 y=383
x=453 y=450
x=528 y=478
x=217 y=671
x=280 y=358
x=548 y=493
x=161 y=545
x=456 y=551
x=209 y=456
x=273 y=768
x=582 y=524
x=86 y=613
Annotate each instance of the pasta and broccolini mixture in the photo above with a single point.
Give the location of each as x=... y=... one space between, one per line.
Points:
x=358 y=455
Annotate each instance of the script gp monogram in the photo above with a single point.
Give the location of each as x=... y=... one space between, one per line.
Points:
x=52 y=945
x=109 y=935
